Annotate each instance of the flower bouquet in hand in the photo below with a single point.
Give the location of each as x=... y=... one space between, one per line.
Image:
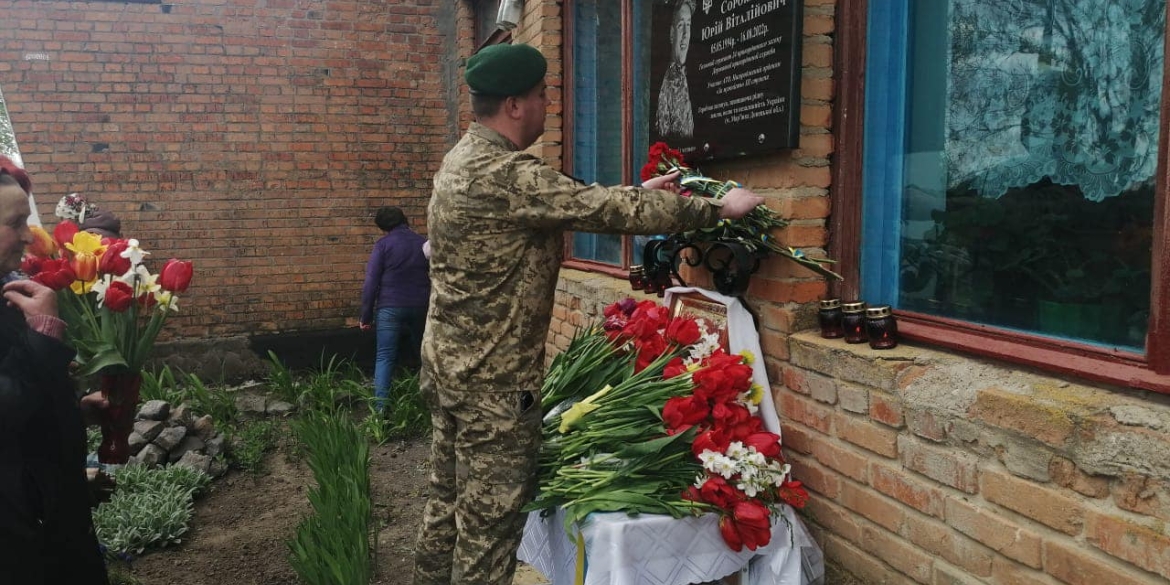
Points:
x=753 y=230
x=114 y=307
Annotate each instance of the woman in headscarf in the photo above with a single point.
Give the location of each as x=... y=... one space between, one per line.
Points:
x=46 y=532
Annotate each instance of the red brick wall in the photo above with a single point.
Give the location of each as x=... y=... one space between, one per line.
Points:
x=924 y=466
x=255 y=137
x=928 y=467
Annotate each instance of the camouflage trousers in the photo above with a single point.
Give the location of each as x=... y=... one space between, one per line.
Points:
x=483 y=457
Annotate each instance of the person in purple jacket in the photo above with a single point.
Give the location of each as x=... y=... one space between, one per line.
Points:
x=396 y=291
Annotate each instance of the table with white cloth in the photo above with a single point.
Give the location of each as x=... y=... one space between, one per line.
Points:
x=653 y=549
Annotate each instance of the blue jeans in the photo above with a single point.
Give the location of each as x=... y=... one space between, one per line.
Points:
x=393 y=324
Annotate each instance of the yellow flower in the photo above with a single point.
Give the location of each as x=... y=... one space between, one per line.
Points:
x=575 y=412
x=749 y=358
x=756 y=393
x=43 y=244
x=86 y=242
x=85 y=268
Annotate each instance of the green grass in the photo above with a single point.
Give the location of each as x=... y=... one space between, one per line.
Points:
x=332 y=545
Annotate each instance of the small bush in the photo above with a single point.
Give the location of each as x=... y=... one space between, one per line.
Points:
x=151 y=507
x=249 y=442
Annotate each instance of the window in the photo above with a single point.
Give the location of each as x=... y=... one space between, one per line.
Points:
x=1011 y=178
x=608 y=110
x=485 y=20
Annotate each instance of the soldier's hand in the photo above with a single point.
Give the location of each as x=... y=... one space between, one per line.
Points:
x=668 y=182
x=738 y=202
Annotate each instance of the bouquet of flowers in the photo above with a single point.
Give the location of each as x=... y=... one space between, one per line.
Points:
x=753 y=230
x=645 y=413
x=115 y=308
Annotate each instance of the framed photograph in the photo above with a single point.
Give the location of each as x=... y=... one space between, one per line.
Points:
x=711 y=316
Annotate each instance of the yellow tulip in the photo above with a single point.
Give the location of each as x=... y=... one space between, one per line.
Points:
x=86 y=242
x=586 y=406
x=85 y=267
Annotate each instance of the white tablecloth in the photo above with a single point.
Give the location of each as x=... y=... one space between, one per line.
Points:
x=652 y=549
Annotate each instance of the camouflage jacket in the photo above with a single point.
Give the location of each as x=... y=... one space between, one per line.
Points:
x=496 y=223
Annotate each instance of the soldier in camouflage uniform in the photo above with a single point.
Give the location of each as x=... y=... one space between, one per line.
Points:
x=497 y=220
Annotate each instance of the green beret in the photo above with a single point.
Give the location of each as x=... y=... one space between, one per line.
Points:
x=505 y=70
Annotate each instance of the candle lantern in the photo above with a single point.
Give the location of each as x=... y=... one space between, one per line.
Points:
x=853 y=321
x=662 y=281
x=881 y=327
x=637 y=277
x=831 y=319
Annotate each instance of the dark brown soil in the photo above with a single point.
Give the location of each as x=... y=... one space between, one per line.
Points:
x=241 y=526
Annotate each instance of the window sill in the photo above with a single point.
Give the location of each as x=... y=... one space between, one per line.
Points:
x=1099 y=365
x=597 y=267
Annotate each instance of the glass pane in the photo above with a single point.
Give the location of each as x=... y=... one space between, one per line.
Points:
x=597 y=107
x=641 y=86
x=1028 y=185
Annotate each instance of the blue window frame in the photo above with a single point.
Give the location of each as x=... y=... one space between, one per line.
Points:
x=607 y=144
x=1010 y=160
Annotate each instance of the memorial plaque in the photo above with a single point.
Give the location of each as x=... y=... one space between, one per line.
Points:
x=725 y=76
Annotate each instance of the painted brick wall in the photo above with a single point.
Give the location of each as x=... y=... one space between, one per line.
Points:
x=255 y=137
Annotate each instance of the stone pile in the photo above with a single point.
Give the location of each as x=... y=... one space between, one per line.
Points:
x=164 y=435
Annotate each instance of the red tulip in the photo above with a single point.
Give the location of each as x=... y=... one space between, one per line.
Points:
x=55 y=274
x=649 y=349
x=765 y=443
x=176 y=275
x=112 y=261
x=147 y=300
x=793 y=494
x=713 y=440
x=748 y=525
x=675 y=367
x=684 y=411
x=718 y=492
x=683 y=331
x=119 y=296
x=64 y=232
x=31 y=265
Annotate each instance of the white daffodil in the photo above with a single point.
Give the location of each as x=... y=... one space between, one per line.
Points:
x=736 y=450
x=101 y=286
x=134 y=253
x=167 y=301
x=143 y=281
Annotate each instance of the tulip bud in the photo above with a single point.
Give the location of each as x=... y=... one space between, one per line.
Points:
x=64 y=233
x=43 y=244
x=112 y=261
x=118 y=296
x=85 y=266
x=176 y=275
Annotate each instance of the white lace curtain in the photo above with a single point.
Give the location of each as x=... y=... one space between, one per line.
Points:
x=1065 y=89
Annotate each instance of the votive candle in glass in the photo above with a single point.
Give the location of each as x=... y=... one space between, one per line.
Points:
x=881 y=327
x=853 y=320
x=831 y=319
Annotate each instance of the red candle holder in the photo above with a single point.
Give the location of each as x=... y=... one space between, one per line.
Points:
x=881 y=328
x=853 y=321
x=637 y=278
x=831 y=319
